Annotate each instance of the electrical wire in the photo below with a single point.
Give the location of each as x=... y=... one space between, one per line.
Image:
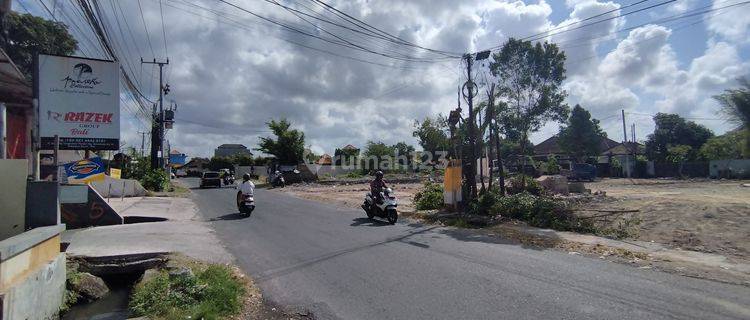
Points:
x=148 y=36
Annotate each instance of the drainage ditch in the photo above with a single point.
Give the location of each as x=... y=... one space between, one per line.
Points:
x=120 y=274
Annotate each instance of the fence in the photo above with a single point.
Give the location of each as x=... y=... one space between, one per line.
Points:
x=733 y=169
x=698 y=169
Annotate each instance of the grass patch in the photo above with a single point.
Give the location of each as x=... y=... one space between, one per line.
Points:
x=72 y=276
x=213 y=292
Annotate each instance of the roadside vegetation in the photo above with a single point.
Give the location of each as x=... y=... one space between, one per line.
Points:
x=211 y=292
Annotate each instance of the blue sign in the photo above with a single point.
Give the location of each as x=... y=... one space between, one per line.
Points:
x=85 y=171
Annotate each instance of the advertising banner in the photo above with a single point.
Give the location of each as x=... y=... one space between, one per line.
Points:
x=115 y=173
x=85 y=171
x=79 y=101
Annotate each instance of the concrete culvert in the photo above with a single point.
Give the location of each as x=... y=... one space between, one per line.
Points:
x=138 y=219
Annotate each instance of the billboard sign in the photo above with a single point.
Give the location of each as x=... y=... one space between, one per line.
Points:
x=85 y=171
x=79 y=101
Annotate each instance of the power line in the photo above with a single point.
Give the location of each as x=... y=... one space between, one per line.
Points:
x=569 y=63
x=303 y=32
x=148 y=36
x=684 y=15
x=360 y=24
x=229 y=21
x=549 y=33
x=163 y=29
x=368 y=34
x=586 y=19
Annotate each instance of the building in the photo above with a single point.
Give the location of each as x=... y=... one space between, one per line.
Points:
x=324 y=160
x=230 y=150
x=177 y=158
x=17 y=112
x=551 y=147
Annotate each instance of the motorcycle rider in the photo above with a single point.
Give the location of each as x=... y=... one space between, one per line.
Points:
x=377 y=186
x=247 y=187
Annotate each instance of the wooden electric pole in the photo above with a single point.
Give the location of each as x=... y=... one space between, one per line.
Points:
x=157 y=129
x=471 y=172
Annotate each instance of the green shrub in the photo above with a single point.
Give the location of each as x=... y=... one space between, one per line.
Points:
x=521 y=183
x=155 y=180
x=213 y=293
x=484 y=203
x=430 y=197
x=354 y=175
x=541 y=212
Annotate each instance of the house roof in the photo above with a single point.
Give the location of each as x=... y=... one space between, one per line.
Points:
x=324 y=159
x=15 y=89
x=551 y=146
x=232 y=146
x=625 y=148
x=350 y=147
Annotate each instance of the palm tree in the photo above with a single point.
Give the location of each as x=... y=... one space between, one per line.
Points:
x=735 y=104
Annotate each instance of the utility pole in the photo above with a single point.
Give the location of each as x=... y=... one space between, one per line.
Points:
x=143 y=140
x=471 y=171
x=157 y=132
x=624 y=129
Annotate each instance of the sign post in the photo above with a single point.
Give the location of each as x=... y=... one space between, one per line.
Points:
x=79 y=101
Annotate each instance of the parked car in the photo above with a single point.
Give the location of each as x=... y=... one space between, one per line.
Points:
x=582 y=171
x=210 y=179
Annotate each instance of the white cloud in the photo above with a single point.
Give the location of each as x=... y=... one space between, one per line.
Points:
x=732 y=23
x=231 y=80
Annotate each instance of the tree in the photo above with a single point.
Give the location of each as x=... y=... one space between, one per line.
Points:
x=242 y=160
x=404 y=153
x=529 y=86
x=581 y=137
x=379 y=155
x=726 y=146
x=432 y=134
x=678 y=154
x=672 y=130
x=29 y=35
x=345 y=156
x=735 y=103
x=218 y=163
x=310 y=156
x=289 y=145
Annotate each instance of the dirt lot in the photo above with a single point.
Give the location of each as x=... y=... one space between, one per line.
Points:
x=707 y=216
x=351 y=195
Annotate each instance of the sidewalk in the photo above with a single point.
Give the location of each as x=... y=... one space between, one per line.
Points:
x=182 y=232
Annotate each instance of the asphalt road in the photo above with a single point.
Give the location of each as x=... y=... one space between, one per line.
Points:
x=339 y=265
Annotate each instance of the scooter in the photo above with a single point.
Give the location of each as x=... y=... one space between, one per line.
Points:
x=228 y=180
x=386 y=209
x=277 y=180
x=245 y=203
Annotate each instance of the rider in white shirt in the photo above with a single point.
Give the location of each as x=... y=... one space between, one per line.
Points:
x=247 y=186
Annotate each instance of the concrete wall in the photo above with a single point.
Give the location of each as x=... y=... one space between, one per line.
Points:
x=240 y=170
x=32 y=274
x=116 y=188
x=13 y=197
x=737 y=168
x=95 y=211
x=42 y=204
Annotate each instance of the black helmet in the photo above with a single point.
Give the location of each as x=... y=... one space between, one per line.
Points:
x=379 y=174
x=246 y=176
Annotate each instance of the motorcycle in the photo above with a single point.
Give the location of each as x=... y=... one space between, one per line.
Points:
x=228 y=180
x=277 y=180
x=385 y=209
x=245 y=203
